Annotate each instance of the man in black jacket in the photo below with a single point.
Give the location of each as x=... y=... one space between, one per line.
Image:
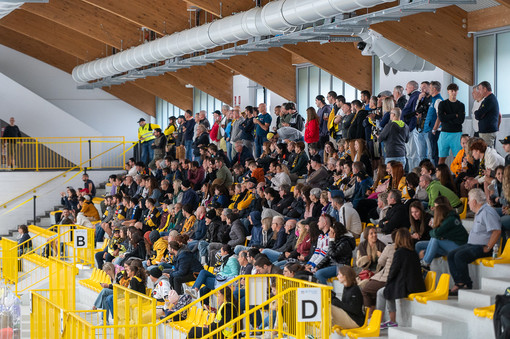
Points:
x=396 y=217
x=286 y=198
x=355 y=129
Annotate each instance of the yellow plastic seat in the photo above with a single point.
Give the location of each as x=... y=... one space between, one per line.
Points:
x=503 y=258
x=439 y=293
x=357 y=241
x=292 y=189
x=97 y=200
x=485 y=312
x=191 y=317
x=464 y=209
x=430 y=284
x=372 y=329
x=342 y=331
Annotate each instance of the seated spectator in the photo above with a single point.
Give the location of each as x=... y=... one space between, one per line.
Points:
x=347 y=312
x=157 y=249
x=368 y=253
x=313 y=207
x=482 y=238
x=362 y=186
x=227 y=311
x=112 y=250
x=341 y=246
x=189 y=196
x=256 y=172
x=297 y=207
x=88 y=212
x=69 y=199
x=397 y=216
x=435 y=189
x=405 y=277
x=347 y=215
x=24 y=242
x=298 y=165
x=161 y=284
x=489 y=160
x=185 y=266
x=420 y=222
x=319 y=177
x=226 y=269
x=325 y=223
x=448 y=234
x=196 y=175
x=379 y=279
x=303 y=244
x=135 y=248
x=242 y=154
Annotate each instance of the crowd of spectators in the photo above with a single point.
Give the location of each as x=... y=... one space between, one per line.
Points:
x=249 y=195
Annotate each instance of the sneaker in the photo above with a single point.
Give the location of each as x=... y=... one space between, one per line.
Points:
x=192 y=292
x=424 y=265
x=388 y=324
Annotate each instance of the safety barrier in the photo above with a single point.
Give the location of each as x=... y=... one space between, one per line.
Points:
x=25 y=267
x=54 y=153
x=272 y=299
x=62 y=283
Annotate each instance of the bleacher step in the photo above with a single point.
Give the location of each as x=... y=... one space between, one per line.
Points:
x=476 y=298
x=439 y=325
x=409 y=333
x=496 y=285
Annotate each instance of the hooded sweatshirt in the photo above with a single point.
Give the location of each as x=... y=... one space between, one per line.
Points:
x=395 y=135
x=256 y=231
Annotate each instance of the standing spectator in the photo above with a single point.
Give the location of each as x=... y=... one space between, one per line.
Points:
x=188 y=129
x=355 y=128
x=247 y=129
x=11 y=131
x=312 y=126
x=395 y=136
x=201 y=140
x=262 y=121
x=431 y=125
x=477 y=101
x=400 y=98
x=409 y=117
x=488 y=114
x=145 y=135
x=482 y=238
x=323 y=114
x=215 y=133
x=235 y=134
x=451 y=113
x=88 y=185
x=158 y=148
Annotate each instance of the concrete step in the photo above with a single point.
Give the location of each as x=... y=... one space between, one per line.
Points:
x=410 y=333
x=496 y=285
x=476 y=298
x=44 y=222
x=439 y=325
x=451 y=308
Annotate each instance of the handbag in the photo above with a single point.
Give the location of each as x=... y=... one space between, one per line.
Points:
x=365 y=274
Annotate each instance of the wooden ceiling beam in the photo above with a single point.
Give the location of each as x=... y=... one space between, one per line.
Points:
x=488 y=18
x=272 y=69
x=129 y=93
x=436 y=37
x=161 y=16
x=89 y=20
x=223 y=8
x=69 y=41
x=341 y=59
x=505 y=3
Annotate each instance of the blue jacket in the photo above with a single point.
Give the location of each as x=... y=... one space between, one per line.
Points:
x=200 y=230
x=430 y=120
x=185 y=263
x=409 y=111
x=281 y=239
x=488 y=115
x=360 y=189
x=385 y=119
x=256 y=231
x=190 y=197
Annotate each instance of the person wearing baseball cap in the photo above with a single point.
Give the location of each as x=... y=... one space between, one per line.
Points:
x=319 y=177
x=506 y=147
x=161 y=284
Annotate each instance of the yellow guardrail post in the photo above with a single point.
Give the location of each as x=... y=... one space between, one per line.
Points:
x=123 y=152
x=36 y=155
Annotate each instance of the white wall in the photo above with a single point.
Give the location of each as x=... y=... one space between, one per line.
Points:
x=244 y=91
x=103 y=112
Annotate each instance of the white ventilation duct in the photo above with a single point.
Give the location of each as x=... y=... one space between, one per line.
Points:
x=8 y=7
x=276 y=17
x=392 y=54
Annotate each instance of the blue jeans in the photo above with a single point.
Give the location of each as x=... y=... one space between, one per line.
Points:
x=229 y=150
x=147 y=152
x=325 y=273
x=240 y=248
x=99 y=234
x=259 y=141
x=435 y=248
x=505 y=228
x=100 y=302
x=402 y=160
x=459 y=259
x=205 y=278
x=271 y=254
x=189 y=149
x=109 y=305
x=431 y=140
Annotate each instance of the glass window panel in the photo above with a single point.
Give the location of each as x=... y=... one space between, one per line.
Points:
x=464 y=93
x=260 y=96
x=485 y=53
x=210 y=104
x=503 y=64
x=302 y=89
x=377 y=74
x=196 y=99
x=325 y=83
x=203 y=102
x=217 y=104
x=350 y=93
x=338 y=86
x=314 y=85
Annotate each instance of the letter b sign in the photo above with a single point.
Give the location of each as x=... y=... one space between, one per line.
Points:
x=309 y=304
x=80 y=239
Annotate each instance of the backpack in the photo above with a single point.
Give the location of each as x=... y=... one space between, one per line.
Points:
x=502 y=316
x=299 y=124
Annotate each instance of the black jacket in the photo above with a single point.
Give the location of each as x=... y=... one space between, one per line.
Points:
x=217 y=232
x=296 y=209
x=351 y=303
x=355 y=128
x=405 y=275
x=339 y=252
x=285 y=202
x=202 y=140
x=185 y=263
x=396 y=217
x=290 y=244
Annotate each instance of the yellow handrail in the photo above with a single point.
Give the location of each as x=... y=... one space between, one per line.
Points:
x=33 y=190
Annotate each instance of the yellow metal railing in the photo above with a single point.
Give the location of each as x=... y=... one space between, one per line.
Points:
x=264 y=296
x=62 y=283
x=52 y=246
x=55 y=153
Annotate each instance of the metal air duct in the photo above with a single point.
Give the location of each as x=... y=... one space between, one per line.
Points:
x=392 y=54
x=277 y=17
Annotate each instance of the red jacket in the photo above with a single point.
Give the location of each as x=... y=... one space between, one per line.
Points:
x=213 y=134
x=312 y=131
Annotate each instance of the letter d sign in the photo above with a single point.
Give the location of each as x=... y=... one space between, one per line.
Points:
x=309 y=304
x=80 y=239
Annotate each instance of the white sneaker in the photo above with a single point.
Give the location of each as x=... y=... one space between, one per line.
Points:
x=192 y=292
